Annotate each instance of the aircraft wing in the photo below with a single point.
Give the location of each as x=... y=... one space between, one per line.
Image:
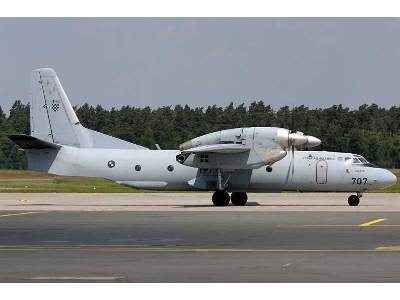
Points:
x=219 y=148
x=241 y=148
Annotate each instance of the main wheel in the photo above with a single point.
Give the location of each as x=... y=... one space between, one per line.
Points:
x=220 y=198
x=353 y=200
x=239 y=198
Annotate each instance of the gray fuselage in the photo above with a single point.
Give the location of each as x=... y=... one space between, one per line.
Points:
x=304 y=171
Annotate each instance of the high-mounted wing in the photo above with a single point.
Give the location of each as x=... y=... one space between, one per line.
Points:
x=219 y=148
x=241 y=148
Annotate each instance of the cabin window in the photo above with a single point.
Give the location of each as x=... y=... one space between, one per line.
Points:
x=111 y=164
x=170 y=168
x=204 y=158
x=138 y=168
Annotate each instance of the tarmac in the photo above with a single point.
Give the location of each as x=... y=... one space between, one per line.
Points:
x=194 y=202
x=181 y=237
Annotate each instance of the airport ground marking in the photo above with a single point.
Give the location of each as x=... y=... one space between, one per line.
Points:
x=388 y=249
x=23 y=213
x=84 y=278
x=94 y=248
x=328 y=225
x=366 y=224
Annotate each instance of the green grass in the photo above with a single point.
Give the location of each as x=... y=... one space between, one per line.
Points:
x=16 y=181
x=34 y=182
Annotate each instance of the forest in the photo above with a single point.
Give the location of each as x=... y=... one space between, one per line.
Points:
x=370 y=130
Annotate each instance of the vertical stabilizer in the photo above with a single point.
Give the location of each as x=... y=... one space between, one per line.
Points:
x=52 y=116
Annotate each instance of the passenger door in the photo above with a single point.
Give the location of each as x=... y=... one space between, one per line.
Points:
x=321 y=176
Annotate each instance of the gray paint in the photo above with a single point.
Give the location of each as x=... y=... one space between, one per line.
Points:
x=94 y=163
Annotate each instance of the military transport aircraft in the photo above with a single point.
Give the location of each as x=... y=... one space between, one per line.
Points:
x=239 y=160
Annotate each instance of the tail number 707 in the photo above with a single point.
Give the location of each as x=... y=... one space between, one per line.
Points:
x=358 y=180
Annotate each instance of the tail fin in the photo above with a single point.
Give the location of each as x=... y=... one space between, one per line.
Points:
x=52 y=116
x=53 y=119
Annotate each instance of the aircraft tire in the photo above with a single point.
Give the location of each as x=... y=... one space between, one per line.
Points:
x=239 y=198
x=353 y=200
x=221 y=198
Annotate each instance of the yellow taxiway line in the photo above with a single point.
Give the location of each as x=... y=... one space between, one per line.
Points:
x=23 y=213
x=366 y=224
x=389 y=249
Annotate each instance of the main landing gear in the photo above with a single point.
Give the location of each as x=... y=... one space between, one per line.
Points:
x=354 y=200
x=222 y=198
x=239 y=198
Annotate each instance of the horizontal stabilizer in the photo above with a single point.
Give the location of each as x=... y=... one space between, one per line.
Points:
x=30 y=142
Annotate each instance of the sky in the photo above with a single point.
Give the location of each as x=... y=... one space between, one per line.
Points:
x=317 y=62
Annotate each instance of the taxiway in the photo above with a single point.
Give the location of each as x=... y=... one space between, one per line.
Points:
x=182 y=238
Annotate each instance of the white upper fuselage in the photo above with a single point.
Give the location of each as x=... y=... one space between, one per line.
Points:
x=311 y=171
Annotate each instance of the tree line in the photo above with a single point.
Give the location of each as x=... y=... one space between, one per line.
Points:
x=370 y=130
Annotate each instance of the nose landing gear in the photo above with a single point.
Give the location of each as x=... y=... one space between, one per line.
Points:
x=354 y=200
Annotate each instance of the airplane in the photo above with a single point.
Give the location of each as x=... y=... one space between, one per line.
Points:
x=235 y=161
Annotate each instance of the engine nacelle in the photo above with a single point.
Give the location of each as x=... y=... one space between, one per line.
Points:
x=241 y=148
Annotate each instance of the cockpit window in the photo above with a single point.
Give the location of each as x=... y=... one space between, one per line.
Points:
x=363 y=160
x=358 y=159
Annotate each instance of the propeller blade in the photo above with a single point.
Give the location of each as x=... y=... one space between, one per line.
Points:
x=288 y=172
x=292 y=160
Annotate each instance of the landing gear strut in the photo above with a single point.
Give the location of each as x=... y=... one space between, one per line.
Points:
x=221 y=198
x=239 y=198
x=354 y=200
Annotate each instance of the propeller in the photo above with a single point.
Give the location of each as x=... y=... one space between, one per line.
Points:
x=293 y=138
x=298 y=139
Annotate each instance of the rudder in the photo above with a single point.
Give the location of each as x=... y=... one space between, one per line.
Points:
x=52 y=116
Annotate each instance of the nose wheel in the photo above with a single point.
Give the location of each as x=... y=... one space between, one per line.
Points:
x=354 y=200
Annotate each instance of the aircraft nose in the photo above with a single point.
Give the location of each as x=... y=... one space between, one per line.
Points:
x=388 y=178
